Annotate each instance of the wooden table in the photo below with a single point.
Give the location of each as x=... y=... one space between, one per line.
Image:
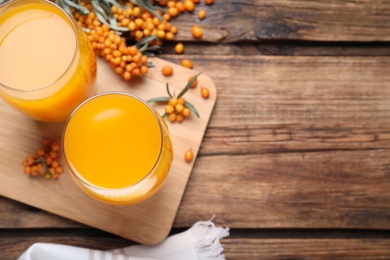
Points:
x=296 y=158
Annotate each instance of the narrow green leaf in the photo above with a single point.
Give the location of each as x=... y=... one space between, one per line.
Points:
x=192 y=108
x=151 y=8
x=79 y=8
x=167 y=87
x=150 y=64
x=159 y=99
x=165 y=115
x=188 y=86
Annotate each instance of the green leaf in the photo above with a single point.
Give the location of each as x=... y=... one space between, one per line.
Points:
x=165 y=115
x=151 y=8
x=188 y=86
x=159 y=99
x=192 y=108
x=169 y=93
x=103 y=18
x=79 y=8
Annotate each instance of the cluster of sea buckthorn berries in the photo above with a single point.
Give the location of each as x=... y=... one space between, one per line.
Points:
x=45 y=162
x=176 y=110
x=127 y=61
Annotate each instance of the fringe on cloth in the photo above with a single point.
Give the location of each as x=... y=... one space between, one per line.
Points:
x=207 y=240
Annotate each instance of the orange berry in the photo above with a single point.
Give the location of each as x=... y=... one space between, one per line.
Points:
x=172 y=117
x=180 y=6
x=59 y=169
x=40 y=151
x=195 y=83
x=186 y=112
x=179 y=108
x=204 y=92
x=173 y=29
x=201 y=14
x=188 y=155
x=197 y=32
x=172 y=102
x=179 y=118
x=187 y=63
x=209 y=2
x=179 y=48
x=173 y=12
x=181 y=101
x=169 y=109
x=189 y=5
x=53 y=154
x=27 y=170
x=55 y=146
x=167 y=70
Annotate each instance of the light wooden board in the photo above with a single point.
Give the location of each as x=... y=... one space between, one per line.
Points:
x=146 y=223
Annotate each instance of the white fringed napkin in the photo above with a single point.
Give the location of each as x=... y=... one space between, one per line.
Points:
x=200 y=242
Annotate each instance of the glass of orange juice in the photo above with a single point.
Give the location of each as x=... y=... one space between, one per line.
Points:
x=117 y=148
x=47 y=66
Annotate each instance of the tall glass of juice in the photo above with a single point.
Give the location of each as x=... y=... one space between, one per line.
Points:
x=117 y=148
x=47 y=66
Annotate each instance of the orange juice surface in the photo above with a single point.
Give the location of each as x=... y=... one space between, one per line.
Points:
x=113 y=142
x=46 y=67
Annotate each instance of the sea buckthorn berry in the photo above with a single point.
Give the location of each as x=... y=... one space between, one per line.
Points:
x=179 y=108
x=169 y=36
x=187 y=63
x=166 y=17
x=172 y=117
x=180 y=6
x=27 y=170
x=209 y=2
x=179 y=48
x=173 y=12
x=169 y=109
x=181 y=101
x=186 y=112
x=197 y=32
x=204 y=92
x=179 y=118
x=189 y=5
x=167 y=70
x=172 y=102
x=29 y=160
x=195 y=83
x=188 y=155
x=201 y=14
x=173 y=29
x=196 y=1
x=59 y=169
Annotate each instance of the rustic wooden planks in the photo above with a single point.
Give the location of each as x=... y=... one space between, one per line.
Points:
x=313 y=20
x=235 y=248
x=292 y=142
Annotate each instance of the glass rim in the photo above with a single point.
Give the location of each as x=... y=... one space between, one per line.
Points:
x=88 y=183
x=73 y=26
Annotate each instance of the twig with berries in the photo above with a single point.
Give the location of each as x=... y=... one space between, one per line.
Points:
x=45 y=162
x=177 y=108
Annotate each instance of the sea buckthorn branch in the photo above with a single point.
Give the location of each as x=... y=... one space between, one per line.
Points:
x=45 y=162
x=177 y=107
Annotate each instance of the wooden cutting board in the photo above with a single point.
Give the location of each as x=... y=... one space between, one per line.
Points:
x=146 y=223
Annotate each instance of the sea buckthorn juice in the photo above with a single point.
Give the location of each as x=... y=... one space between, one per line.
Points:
x=117 y=148
x=47 y=66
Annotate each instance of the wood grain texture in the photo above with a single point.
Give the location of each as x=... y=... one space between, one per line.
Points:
x=292 y=142
x=234 y=248
x=148 y=222
x=295 y=142
x=313 y=20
